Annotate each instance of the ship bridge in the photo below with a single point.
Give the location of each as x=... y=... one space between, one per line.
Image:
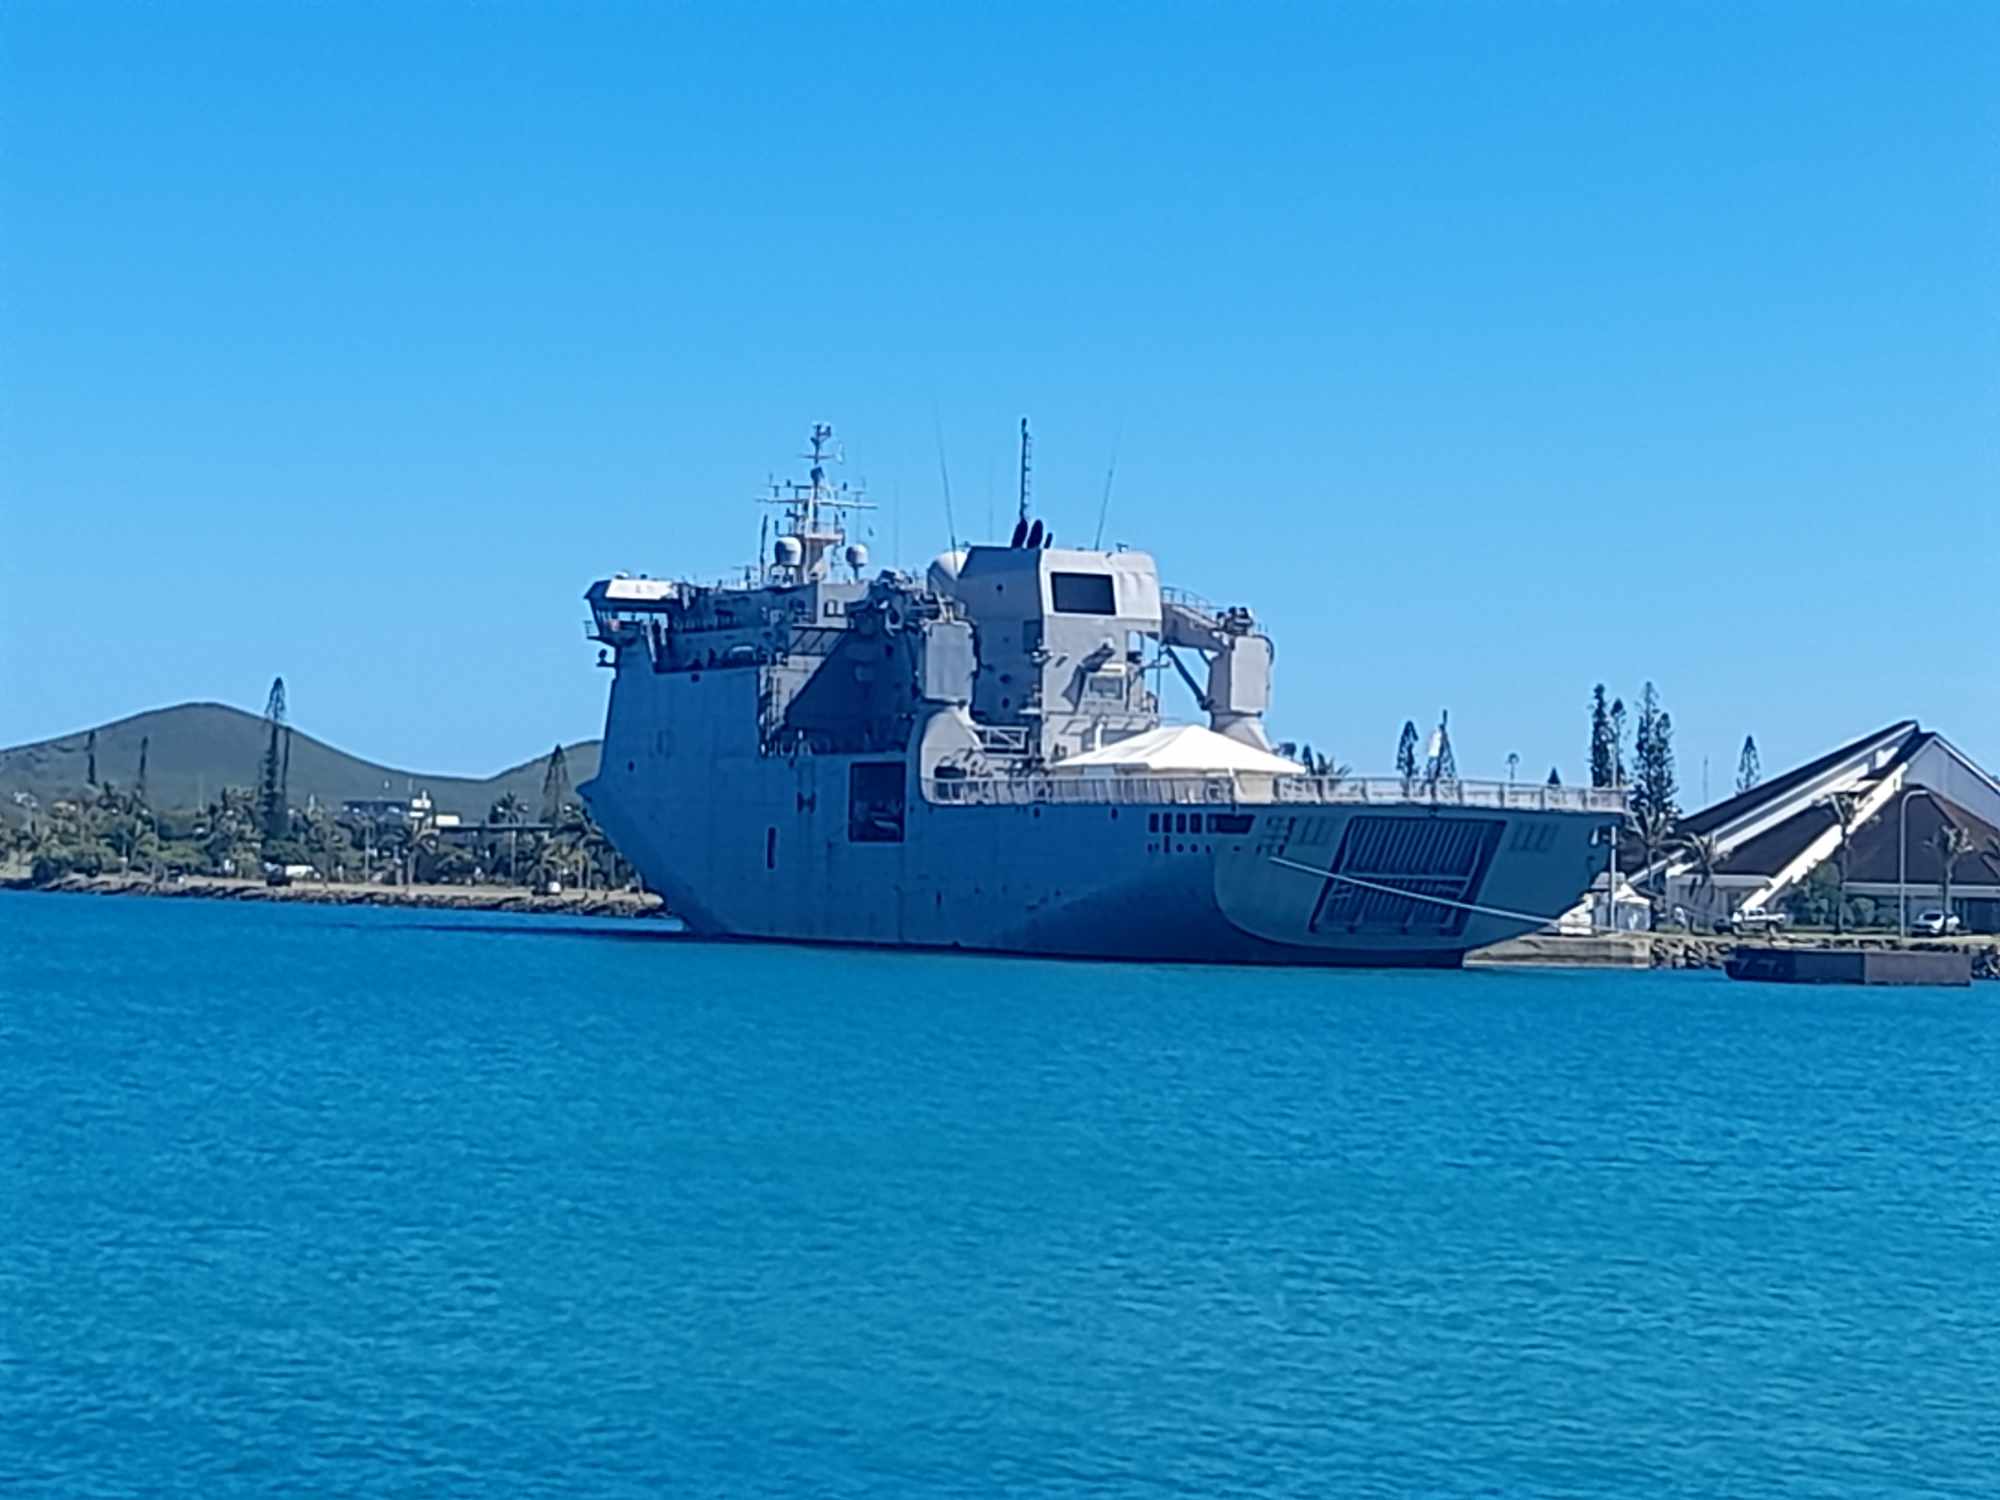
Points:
x=1061 y=637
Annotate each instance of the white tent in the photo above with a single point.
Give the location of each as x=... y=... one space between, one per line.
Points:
x=1179 y=748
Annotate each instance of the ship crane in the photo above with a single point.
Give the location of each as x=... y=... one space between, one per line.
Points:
x=1238 y=656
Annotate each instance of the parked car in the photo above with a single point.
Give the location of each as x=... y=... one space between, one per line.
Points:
x=1759 y=921
x=1935 y=923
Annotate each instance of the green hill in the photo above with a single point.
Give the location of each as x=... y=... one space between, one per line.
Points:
x=196 y=749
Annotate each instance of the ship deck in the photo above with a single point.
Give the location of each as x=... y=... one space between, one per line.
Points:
x=1256 y=789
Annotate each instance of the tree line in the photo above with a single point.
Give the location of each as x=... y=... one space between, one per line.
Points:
x=113 y=830
x=251 y=832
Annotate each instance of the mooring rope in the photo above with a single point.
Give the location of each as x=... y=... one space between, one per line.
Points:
x=1393 y=890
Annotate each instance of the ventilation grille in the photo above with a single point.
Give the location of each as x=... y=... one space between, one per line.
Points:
x=1441 y=858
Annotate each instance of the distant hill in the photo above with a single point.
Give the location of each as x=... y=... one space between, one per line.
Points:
x=198 y=748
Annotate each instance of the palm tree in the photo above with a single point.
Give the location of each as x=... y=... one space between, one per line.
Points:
x=392 y=847
x=1655 y=826
x=509 y=810
x=1843 y=806
x=423 y=854
x=1952 y=844
x=545 y=863
x=1704 y=856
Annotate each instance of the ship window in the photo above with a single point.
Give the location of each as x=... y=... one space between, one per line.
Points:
x=1083 y=593
x=1152 y=822
x=1229 y=822
x=770 y=848
x=1180 y=822
x=875 y=803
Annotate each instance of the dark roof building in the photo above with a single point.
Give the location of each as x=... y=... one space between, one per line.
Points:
x=1896 y=792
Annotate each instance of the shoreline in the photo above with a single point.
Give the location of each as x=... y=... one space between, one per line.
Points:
x=1629 y=951
x=1681 y=950
x=632 y=905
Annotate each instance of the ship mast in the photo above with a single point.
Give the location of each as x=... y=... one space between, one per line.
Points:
x=812 y=512
x=1027 y=450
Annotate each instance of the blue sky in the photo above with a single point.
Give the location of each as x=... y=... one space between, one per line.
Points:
x=1488 y=351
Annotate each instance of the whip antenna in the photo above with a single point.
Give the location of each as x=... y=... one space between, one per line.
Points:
x=944 y=475
x=1104 y=506
x=1027 y=449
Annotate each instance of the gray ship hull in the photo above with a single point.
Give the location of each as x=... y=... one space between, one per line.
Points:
x=761 y=849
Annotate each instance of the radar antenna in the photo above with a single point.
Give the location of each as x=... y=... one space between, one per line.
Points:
x=813 y=510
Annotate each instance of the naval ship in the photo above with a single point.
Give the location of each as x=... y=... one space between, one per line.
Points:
x=976 y=759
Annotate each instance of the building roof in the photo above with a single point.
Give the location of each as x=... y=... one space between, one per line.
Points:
x=1775 y=848
x=1873 y=848
x=1872 y=856
x=1727 y=811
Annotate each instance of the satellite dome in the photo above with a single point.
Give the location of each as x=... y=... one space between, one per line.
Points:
x=788 y=552
x=942 y=576
x=857 y=556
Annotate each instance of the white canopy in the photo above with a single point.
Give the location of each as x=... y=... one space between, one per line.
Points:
x=1180 y=747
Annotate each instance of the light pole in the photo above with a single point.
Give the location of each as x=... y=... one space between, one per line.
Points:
x=1903 y=856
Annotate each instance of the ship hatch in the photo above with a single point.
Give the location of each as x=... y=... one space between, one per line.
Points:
x=1443 y=859
x=875 y=802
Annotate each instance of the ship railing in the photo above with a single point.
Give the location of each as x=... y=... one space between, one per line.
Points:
x=1003 y=739
x=1187 y=599
x=1505 y=796
x=1023 y=791
x=1255 y=789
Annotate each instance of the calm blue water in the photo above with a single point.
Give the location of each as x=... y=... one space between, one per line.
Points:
x=343 y=1202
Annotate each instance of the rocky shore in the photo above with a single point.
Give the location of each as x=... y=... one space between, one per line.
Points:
x=330 y=893
x=1671 y=951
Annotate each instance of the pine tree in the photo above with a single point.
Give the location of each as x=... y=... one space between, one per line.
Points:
x=1603 y=749
x=90 y=758
x=1406 y=751
x=1654 y=789
x=1620 y=772
x=1748 y=771
x=145 y=746
x=1665 y=788
x=272 y=810
x=1443 y=764
x=1554 y=778
x=1642 y=747
x=555 y=787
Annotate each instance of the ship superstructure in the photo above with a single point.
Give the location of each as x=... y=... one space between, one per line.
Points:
x=976 y=759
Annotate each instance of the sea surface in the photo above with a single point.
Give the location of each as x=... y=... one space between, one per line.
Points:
x=341 y=1202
